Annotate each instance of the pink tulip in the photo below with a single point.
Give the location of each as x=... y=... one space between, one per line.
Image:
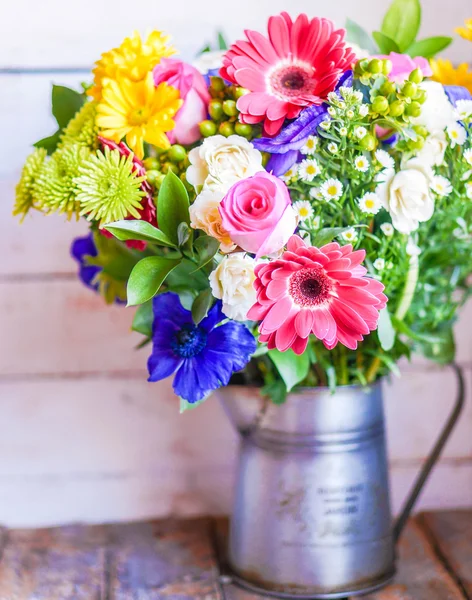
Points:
x=193 y=91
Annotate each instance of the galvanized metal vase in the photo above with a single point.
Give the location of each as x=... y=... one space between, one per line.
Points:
x=312 y=514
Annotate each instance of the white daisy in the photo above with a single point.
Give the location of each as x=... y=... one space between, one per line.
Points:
x=379 y=264
x=333 y=148
x=309 y=169
x=343 y=132
x=315 y=193
x=387 y=229
x=325 y=125
x=457 y=134
x=289 y=175
x=350 y=114
x=332 y=189
x=468 y=156
x=370 y=203
x=332 y=111
x=350 y=235
x=468 y=188
x=360 y=132
x=464 y=109
x=384 y=159
x=363 y=110
x=310 y=145
x=412 y=249
x=441 y=185
x=361 y=164
x=303 y=209
x=317 y=222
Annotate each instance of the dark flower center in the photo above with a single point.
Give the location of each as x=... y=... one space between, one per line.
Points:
x=189 y=341
x=293 y=81
x=310 y=287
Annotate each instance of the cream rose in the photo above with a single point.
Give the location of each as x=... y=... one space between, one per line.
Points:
x=232 y=282
x=204 y=215
x=406 y=195
x=219 y=162
x=434 y=148
x=437 y=112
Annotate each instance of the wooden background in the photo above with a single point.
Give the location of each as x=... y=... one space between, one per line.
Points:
x=83 y=437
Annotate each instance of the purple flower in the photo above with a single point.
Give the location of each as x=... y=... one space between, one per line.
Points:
x=286 y=145
x=203 y=357
x=81 y=248
x=457 y=92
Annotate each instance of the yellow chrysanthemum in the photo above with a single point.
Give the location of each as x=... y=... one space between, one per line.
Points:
x=466 y=32
x=445 y=73
x=133 y=59
x=139 y=112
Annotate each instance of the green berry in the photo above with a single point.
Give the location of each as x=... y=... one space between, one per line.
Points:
x=207 y=128
x=151 y=163
x=387 y=88
x=159 y=180
x=380 y=105
x=363 y=64
x=417 y=144
x=215 y=108
x=420 y=130
x=152 y=176
x=368 y=142
x=413 y=109
x=396 y=108
x=217 y=84
x=375 y=66
x=416 y=76
x=226 y=129
x=239 y=92
x=229 y=108
x=387 y=66
x=409 y=89
x=243 y=129
x=177 y=153
x=421 y=96
x=168 y=166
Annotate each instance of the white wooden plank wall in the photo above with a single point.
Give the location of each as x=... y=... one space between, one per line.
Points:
x=83 y=437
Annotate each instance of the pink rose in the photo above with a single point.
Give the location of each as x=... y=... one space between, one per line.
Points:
x=194 y=93
x=258 y=215
x=403 y=65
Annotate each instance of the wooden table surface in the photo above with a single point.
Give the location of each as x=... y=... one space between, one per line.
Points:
x=182 y=560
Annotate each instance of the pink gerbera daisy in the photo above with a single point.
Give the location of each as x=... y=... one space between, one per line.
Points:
x=322 y=291
x=298 y=65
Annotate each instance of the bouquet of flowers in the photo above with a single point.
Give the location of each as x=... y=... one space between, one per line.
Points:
x=260 y=206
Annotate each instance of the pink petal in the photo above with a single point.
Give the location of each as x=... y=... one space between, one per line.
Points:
x=348 y=317
x=277 y=288
x=304 y=322
x=299 y=345
x=273 y=127
x=277 y=315
x=285 y=335
x=263 y=46
x=250 y=79
x=279 y=35
x=295 y=242
x=321 y=324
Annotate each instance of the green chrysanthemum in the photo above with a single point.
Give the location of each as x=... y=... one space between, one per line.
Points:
x=82 y=129
x=25 y=197
x=108 y=189
x=55 y=188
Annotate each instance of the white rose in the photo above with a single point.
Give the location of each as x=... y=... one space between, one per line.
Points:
x=434 y=148
x=219 y=162
x=406 y=195
x=209 y=61
x=204 y=215
x=233 y=283
x=436 y=112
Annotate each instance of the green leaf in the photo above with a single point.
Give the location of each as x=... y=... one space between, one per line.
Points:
x=183 y=233
x=65 y=104
x=143 y=319
x=385 y=44
x=327 y=235
x=186 y=277
x=120 y=267
x=429 y=47
x=50 y=143
x=138 y=230
x=402 y=23
x=292 y=367
x=442 y=350
x=205 y=49
x=402 y=327
x=206 y=248
x=185 y=405
x=172 y=206
x=358 y=35
x=147 y=277
x=222 y=45
x=275 y=391
x=385 y=330
x=201 y=305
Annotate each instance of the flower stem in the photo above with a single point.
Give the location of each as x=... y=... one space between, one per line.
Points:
x=409 y=289
x=343 y=364
x=373 y=370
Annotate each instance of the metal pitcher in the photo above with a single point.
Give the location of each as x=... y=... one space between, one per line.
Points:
x=312 y=515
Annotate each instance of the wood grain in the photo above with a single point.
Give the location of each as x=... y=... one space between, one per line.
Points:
x=451 y=535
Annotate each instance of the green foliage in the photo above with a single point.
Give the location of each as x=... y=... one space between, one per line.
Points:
x=275 y=391
x=327 y=235
x=206 y=248
x=385 y=43
x=386 y=331
x=222 y=44
x=292 y=367
x=172 y=206
x=357 y=35
x=49 y=143
x=143 y=319
x=202 y=305
x=429 y=47
x=138 y=230
x=147 y=277
x=402 y=22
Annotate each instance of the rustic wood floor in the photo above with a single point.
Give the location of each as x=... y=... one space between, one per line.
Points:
x=182 y=560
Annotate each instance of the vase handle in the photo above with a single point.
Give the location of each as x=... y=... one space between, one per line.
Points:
x=434 y=454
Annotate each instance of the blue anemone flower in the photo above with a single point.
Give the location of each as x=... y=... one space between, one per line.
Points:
x=204 y=356
x=80 y=249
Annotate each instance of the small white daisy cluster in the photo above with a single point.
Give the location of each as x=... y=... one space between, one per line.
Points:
x=457 y=134
x=350 y=235
x=463 y=109
x=370 y=203
x=441 y=186
x=308 y=169
x=303 y=209
x=331 y=189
